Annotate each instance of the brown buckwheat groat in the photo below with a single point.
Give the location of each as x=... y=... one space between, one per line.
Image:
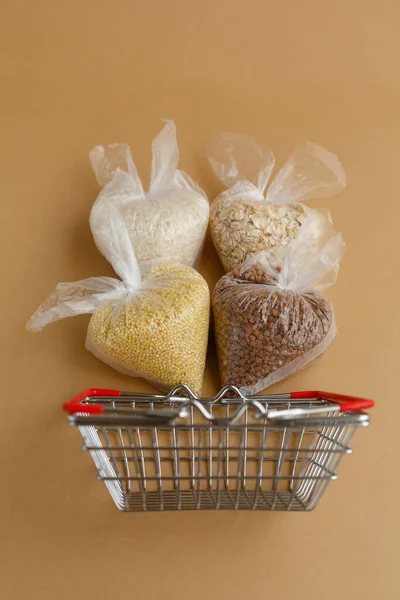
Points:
x=269 y=320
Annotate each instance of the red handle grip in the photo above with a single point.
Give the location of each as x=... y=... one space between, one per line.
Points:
x=346 y=403
x=76 y=404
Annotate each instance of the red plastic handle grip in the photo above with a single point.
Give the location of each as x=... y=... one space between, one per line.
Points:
x=346 y=403
x=75 y=405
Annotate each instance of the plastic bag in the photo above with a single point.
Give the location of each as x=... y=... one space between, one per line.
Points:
x=171 y=220
x=246 y=218
x=271 y=318
x=152 y=325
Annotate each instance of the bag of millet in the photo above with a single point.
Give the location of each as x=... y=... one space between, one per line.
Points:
x=151 y=324
x=270 y=316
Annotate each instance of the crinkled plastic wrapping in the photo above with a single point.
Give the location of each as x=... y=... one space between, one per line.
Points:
x=270 y=316
x=151 y=323
x=170 y=220
x=251 y=216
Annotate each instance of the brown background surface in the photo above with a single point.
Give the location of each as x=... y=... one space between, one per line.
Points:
x=75 y=74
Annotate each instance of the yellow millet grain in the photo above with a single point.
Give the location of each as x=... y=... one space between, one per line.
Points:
x=161 y=333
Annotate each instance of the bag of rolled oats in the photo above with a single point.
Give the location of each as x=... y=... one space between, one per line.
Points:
x=251 y=216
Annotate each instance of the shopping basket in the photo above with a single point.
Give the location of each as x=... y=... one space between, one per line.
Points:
x=180 y=452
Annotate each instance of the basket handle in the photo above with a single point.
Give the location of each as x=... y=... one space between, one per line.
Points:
x=138 y=417
x=75 y=405
x=346 y=403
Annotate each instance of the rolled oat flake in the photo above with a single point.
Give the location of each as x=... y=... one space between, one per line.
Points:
x=271 y=318
x=247 y=217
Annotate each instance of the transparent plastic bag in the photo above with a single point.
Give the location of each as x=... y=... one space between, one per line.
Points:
x=170 y=220
x=151 y=323
x=270 y=316
x=248 y=217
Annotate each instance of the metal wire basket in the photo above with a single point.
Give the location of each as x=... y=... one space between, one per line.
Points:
x=180 y=452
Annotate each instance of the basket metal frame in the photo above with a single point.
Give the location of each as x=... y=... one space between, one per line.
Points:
x=229 y=452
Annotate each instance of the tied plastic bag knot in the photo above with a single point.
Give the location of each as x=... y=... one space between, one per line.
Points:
x=237 y=158
x=310 y=172
x=110 y=159
x=170 y=220
x=254 y=214
x=88 y=295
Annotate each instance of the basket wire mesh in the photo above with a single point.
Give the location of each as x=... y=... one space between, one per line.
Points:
x=178 y=452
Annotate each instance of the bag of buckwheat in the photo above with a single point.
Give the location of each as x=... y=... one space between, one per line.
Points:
x=170 y=220
x=249 y=216
x=151 y=323
x=270 y=315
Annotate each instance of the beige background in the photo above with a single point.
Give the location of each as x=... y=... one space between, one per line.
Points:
x=75 y=74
